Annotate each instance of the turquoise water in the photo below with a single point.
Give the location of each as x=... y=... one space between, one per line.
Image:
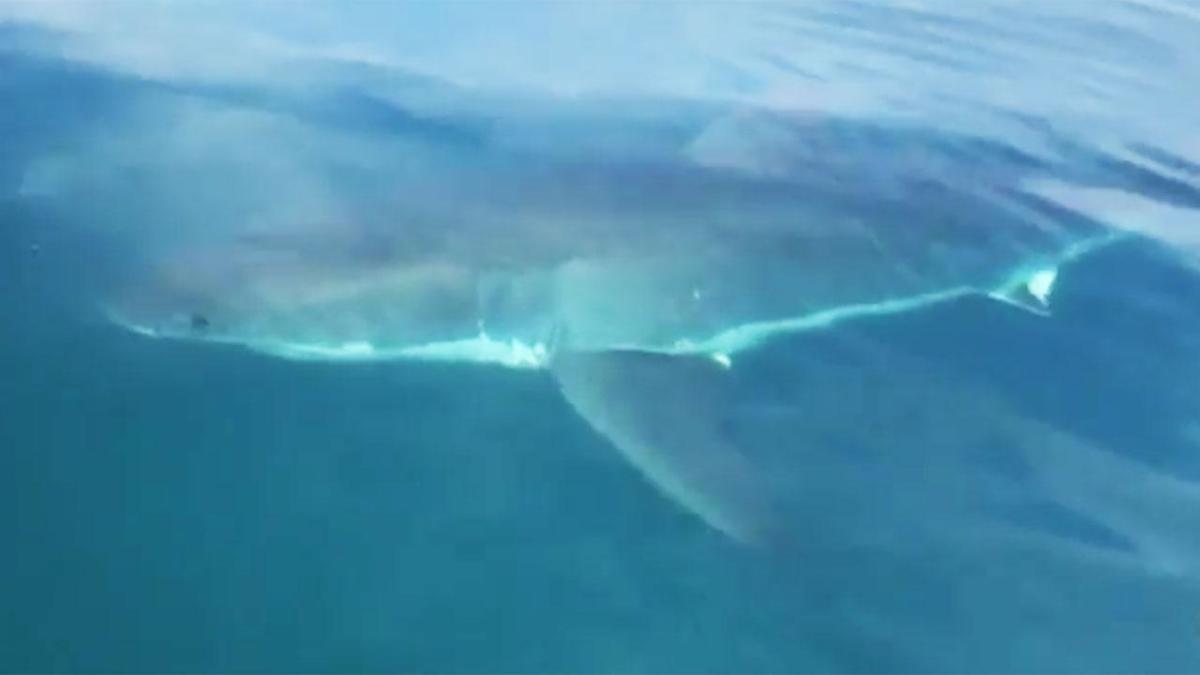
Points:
x=174 y=507
x=966 y=486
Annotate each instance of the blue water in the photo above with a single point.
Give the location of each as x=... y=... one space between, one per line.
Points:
x=972 y=487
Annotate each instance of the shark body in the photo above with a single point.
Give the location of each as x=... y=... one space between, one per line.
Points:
x=622 y=276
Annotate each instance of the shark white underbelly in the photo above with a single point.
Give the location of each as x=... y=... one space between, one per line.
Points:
x=585 y=310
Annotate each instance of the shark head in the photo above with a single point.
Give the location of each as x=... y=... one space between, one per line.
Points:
x=331 y=306
x=290 y=304
x=179 y=297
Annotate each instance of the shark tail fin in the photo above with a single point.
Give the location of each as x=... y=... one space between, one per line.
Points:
x=663 y=413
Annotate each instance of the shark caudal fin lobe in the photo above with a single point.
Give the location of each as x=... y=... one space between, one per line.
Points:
x=1030 y=292
x=663 y=414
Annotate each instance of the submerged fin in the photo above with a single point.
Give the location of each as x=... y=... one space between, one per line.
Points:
x=664 y=414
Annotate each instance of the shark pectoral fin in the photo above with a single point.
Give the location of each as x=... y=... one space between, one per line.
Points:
x=663 y=414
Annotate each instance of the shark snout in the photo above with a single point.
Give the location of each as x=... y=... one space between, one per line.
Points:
x=174 y=324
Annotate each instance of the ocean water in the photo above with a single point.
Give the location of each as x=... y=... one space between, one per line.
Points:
x=966 y=486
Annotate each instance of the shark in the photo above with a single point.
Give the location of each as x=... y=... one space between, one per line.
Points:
x=634 y=279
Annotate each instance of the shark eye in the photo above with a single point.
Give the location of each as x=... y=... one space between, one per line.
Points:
x=199 y=322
